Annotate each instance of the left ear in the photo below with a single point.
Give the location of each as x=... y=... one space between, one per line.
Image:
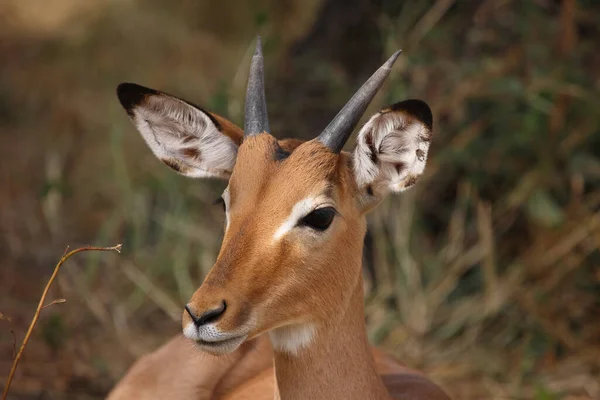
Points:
x=391 y=149
x=188 y=139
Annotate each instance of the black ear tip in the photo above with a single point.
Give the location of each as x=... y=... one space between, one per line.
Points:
x=131 y=95
x=418 y=109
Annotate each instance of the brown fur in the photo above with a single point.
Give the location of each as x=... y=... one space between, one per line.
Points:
x=191 y=152
x=173 y=164
x=271 y=284
x=401 y=382
x=301 y=285
x=228 y=128
x=178 y=370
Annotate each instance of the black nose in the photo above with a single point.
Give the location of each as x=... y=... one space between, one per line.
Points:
x=208 y=316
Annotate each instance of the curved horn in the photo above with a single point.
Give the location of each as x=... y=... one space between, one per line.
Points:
x=340 y=128
x=255 y=119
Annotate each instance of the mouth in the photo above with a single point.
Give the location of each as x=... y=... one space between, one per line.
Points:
x=221 y=346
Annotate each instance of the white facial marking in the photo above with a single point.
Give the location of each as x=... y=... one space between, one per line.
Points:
x=210 y=338
x=290 y=339
x=191 y=332
x=207 y=333
x=300 y=210
x=226 y=199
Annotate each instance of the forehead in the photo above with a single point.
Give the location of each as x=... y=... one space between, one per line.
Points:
x=265 y=167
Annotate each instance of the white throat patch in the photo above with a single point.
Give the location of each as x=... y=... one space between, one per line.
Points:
x=290 y=339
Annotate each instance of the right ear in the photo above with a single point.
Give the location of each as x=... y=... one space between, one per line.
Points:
x=391 y=149
x=186 y=138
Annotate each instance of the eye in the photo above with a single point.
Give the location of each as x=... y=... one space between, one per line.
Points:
x=220 y=201
x=319 y=219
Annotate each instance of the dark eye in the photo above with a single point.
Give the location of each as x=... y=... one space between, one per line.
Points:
x=221 y=202
x=320 y=219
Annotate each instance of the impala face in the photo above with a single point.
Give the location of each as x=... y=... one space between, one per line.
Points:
x=290 y=257
x=288 y=219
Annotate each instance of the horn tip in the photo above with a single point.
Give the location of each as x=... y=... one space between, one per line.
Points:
x=258 y=51
x=392 y=59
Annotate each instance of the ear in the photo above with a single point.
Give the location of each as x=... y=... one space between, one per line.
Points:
x=391 y=149
x=188 y=139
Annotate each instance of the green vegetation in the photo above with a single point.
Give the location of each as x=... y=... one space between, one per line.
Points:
x=487 y=273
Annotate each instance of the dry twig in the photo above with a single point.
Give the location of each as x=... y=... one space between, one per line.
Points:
x=41 y=306
x=55 y=301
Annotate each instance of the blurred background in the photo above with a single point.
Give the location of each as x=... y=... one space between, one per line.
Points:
x=486 y=275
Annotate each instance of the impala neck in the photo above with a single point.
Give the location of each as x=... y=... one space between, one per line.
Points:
x=336 y=365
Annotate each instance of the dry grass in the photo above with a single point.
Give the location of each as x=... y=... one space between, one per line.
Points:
x=41 y=306
x=487 y=272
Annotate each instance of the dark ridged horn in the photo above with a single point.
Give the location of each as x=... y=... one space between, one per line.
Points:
x=340 y=128
x=255 y=118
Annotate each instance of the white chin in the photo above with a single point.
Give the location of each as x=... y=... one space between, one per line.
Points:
x=221 y=347
x=211 y=340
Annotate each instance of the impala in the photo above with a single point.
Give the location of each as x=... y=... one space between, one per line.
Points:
x=290 y=261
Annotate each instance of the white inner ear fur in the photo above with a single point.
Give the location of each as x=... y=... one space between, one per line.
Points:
x=182 y=134
x=391 y=151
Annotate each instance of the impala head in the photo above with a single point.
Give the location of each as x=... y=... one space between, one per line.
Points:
x=295 y=211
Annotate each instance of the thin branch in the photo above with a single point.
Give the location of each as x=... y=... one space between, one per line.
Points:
x=55 y=301
x=66 y=250
x=41 y=306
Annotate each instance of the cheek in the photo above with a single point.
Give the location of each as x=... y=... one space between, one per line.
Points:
x=309 y=272
x=317 y=266
x=293 y=275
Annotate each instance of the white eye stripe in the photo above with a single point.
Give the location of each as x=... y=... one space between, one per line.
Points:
x=226 y=199
x=299 y=211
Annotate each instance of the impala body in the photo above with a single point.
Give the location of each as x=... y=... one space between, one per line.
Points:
x=290 y=261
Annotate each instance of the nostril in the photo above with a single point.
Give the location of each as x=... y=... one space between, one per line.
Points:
x=192 y=314
x=209 y=316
